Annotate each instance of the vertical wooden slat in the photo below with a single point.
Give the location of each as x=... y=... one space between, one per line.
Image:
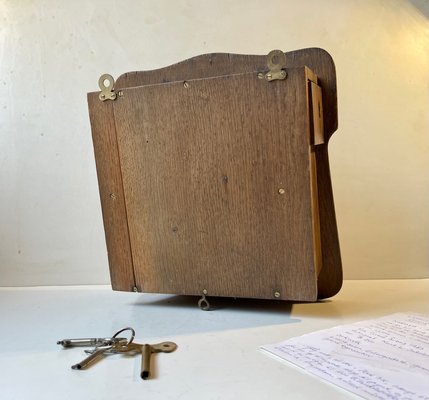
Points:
x=330 y=278
x=115 y=219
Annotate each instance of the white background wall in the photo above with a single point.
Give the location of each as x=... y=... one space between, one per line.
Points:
x=52 y=52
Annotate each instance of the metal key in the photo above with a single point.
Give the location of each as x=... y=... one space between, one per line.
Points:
x=96 y=355
x=91 y=342
x=102 y=346
x=146 y=351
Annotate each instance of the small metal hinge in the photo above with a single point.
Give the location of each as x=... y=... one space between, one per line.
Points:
x=276 y=61
x=106 y=83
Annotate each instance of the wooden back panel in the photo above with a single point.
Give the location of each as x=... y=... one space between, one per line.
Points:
x=234 y=227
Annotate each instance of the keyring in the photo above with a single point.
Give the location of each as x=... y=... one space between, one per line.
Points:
x=133 y=334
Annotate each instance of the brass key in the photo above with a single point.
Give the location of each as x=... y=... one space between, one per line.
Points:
x=96 y=355
x=146 y=351
x=113 y=343
x=103 y=346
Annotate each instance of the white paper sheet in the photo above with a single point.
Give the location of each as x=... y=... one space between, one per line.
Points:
x=384 y=358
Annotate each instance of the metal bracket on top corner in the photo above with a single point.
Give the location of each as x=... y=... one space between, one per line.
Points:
x=276 y=61
x=106 y=83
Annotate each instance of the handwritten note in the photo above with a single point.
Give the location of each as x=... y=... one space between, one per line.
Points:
x=384 y=358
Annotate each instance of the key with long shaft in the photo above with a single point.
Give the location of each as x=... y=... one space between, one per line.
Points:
x=148 y=349
x=97 y=354
x=88 y=342
x=102 y=346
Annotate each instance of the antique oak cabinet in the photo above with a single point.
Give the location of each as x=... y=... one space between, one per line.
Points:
x=214 y=176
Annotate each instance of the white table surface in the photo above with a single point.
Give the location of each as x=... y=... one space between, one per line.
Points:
x=218 y=355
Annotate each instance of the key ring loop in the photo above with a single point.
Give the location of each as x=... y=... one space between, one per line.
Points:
x=133 y=334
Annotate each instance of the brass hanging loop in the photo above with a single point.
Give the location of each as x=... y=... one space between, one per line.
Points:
x=203 y=302
x=106 y=84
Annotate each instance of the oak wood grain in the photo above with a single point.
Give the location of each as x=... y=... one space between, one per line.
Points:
x=203 y=164
x=320 y=62
x=329 y=269
x=111 y=193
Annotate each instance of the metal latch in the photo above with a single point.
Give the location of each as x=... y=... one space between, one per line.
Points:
x=276 y=61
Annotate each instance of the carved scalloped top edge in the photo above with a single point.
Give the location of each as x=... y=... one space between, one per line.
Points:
x=216 y=64
x=121 y=81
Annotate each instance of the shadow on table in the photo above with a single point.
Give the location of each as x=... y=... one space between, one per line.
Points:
x=183 y=316
x=225 y=303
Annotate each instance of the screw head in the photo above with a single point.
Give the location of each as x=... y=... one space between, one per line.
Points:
x=281 y=191
x=113 y=196
x=185 y=85
x=276 y=295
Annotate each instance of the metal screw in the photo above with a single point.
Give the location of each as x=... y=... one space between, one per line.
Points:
x=281 y=191
x=276 y=295
x=185 y=85
x=120 y=93
x=135 y=289
x=113 y=196
x=205 y=291
x=260 y=75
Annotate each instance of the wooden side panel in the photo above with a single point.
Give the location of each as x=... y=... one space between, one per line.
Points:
x=321 y=63
x=315 y=138
x=217 y=186
x=331 y=276
x=317 y=243
x=111 y=193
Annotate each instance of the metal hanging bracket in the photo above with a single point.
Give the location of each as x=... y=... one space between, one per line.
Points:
x=276 y=60
x=203 y=302
x=106 y=83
